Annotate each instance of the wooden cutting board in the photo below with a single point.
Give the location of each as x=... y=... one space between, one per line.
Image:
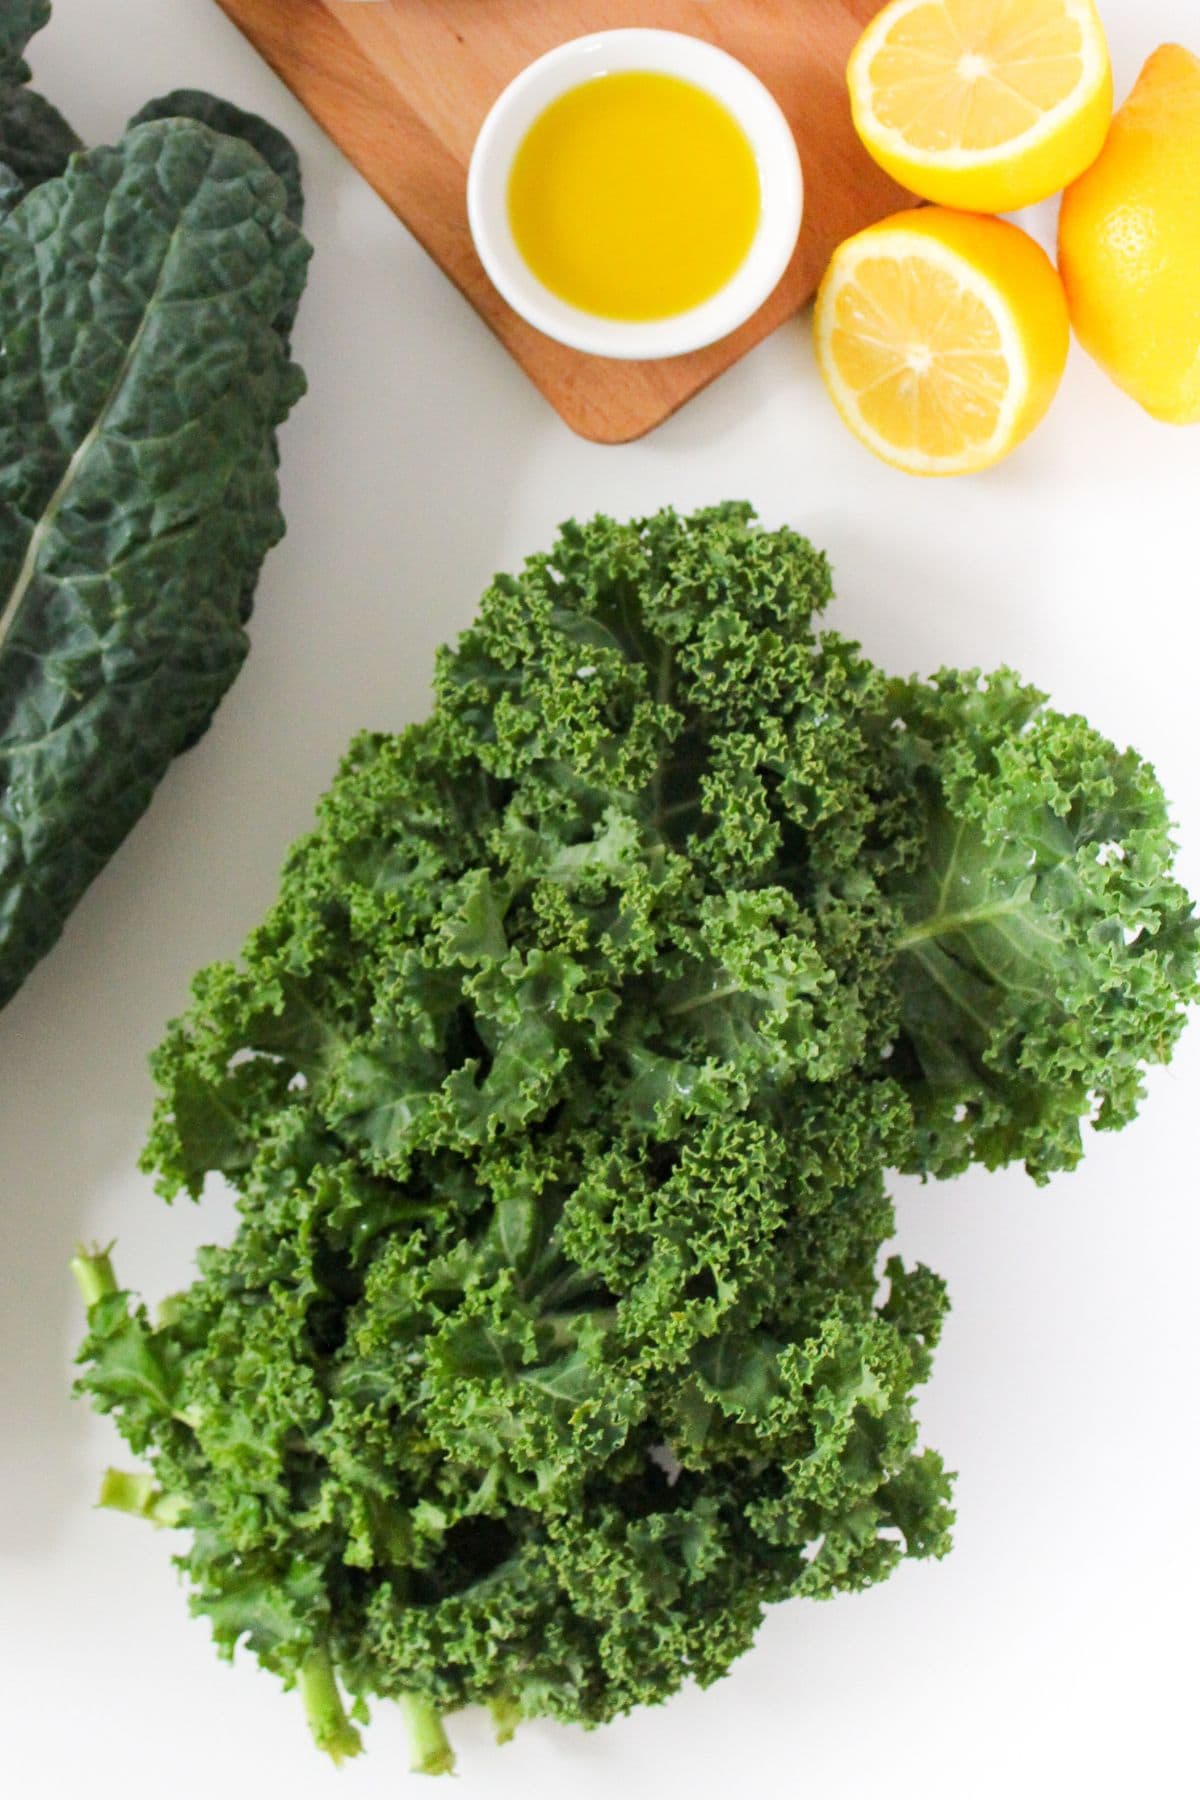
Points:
x=403 y=86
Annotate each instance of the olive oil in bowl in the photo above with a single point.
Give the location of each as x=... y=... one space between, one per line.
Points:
x=635 y=193
x=634 y=196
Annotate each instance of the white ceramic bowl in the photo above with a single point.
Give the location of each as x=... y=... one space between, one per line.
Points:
x=660 y=52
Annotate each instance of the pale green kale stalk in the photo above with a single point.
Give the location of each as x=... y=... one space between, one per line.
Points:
x=558 y=1089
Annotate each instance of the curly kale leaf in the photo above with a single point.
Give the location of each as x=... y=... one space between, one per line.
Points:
x=143 y=378
x=559 y=1336
x=1047 y=952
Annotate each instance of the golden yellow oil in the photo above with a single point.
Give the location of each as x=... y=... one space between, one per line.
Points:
x=634 y=196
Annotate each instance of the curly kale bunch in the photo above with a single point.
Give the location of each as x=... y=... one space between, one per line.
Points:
x=558 y=1090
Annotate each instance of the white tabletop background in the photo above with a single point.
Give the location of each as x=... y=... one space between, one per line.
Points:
x=1053 y=1653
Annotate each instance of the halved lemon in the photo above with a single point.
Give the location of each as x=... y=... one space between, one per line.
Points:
x=942 y=337
x=988 y=105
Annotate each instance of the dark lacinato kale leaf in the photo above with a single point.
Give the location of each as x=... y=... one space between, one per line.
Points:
x=143 y=377
x=558 y=1089
x=232 y=121
x=276 y=150
x=35 y=139
x=20 y=20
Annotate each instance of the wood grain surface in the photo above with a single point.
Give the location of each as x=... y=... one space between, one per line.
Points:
x=403 y=86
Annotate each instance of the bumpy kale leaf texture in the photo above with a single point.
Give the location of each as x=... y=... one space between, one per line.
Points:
x=35 y=139
x=559 y=1336
x=147 y=293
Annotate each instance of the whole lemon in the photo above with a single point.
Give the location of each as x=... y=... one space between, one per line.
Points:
x=1129 y=242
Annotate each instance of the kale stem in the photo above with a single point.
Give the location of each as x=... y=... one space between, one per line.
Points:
x=699 y=1000
x=506 y=1716
x=137 y=1494
x=431 y=1752
x=94 y=1277
x=662 y=697
x=944 y=924
x=679 y=808
x=331 y=1729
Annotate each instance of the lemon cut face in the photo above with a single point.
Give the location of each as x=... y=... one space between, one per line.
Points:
x=987 y=105
x=942 y=338
x=925 y=359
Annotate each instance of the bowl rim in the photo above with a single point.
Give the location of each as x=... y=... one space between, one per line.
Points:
x=626 y=49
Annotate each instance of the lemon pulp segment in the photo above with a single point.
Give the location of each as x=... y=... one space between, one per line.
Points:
x=634 y=196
